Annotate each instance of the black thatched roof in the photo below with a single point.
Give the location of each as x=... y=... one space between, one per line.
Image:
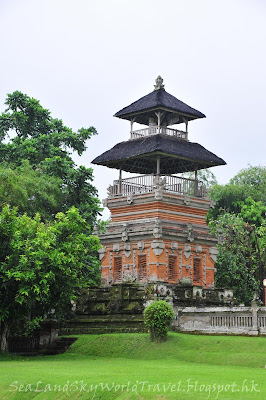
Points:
x=140 y=155
x=143 y=108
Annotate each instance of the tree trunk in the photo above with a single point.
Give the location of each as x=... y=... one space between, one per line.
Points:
x=4 y=337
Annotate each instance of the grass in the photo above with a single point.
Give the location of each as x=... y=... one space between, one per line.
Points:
x=185 y=367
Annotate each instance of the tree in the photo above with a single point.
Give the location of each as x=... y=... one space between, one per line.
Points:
x=45 y=258
x=241 y=260
x=47 y=144
x=240 y=214
x=249 y=182
x=204 y=175
x=42 y=266
x=30 y=190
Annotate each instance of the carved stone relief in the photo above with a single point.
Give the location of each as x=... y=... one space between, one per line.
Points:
x=190 y=235
x=157 y=230
x=186 y=199
x=220 y=236
x=125 y=233
x=212 y=203
x=187 y=250
x=130 y=198
x=174 y=246
x=102 y=253
x=157 y=247
x=105 y=201
x=214 y=253
x=198 y=249
x=140 y=245
x=127 y=250
x=116 y=247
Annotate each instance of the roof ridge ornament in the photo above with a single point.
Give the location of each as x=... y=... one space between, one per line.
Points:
x=159 y=83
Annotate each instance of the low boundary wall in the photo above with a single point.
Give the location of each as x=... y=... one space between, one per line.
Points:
x=225 y=320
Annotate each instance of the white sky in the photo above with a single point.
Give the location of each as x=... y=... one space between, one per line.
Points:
x=86 y=59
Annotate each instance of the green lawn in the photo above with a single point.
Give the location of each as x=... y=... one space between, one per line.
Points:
x=129 y=366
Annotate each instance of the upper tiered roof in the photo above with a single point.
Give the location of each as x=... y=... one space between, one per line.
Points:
x=158 y=100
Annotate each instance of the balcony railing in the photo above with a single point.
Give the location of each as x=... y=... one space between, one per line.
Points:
x=154 y=130
x=149 y=183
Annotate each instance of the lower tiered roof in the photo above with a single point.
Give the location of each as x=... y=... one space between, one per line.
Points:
x=176 y=155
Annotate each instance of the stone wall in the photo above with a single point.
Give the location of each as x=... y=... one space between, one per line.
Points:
x=119 y=308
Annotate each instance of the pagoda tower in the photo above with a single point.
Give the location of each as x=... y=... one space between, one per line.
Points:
x=158 y=230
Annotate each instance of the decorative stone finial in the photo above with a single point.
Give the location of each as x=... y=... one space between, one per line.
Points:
x=158 y=83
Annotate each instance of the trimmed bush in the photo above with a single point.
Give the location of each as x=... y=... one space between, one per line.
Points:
x=158 y=317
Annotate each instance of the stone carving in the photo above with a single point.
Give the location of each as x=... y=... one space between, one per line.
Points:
x=157 y=247
x=157 y=230
x=185 y=282
x=159 y=182
x=140 y=245
x=158 y=194
x=186 y=199
x=124 y=233
x=174 y=246
x=190 y=236
x=214 y=253
x=220 y=236
x=116 y=247
x=127 y=250
x=104 y=201
x=102 y=252
x=130 y=198
x=212 y=203
x=110 y=190
x=198 y=249
x=187 y=250
x=158 y=83
x=159 y=187
x=128 y=276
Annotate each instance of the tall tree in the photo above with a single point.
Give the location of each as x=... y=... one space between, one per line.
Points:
x=249 y=182
x=240 y=213
x=28 y=132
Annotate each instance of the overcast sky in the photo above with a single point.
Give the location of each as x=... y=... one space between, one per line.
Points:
x=86 y=59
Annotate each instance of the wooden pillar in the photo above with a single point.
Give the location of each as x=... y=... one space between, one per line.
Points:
x=131 y=124
x=158 y=166
x=120 y=181
x=196 y=183
x=158 y=115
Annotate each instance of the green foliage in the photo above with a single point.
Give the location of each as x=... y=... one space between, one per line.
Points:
x=253 y=179
x=158 y=317
x=241 y=257
x=30 y=190
x=240 y=214
x=204 y=175
x=43 y=266
x=48 y=254
x=253 y=212
x=248 y=183
x=48 y=144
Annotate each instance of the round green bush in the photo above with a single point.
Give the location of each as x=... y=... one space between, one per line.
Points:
x=158 y=317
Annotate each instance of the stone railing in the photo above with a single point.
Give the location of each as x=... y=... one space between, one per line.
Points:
x=151 y=183
x=231 y=320
x=154 y=130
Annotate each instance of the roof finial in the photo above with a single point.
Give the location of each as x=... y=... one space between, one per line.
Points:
x=158 y=83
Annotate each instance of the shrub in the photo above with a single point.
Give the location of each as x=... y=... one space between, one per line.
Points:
x=158 y=317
